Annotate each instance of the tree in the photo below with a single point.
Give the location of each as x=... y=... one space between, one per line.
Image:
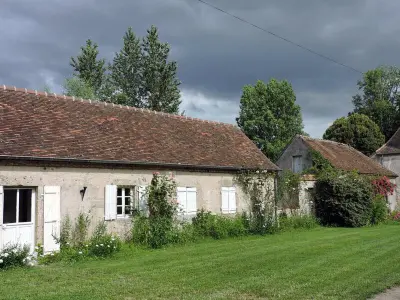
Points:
x=126 y=72
x=269 y=115
x=358 y=131
x=88 y=67
x=76 y=87
x=380 y=98
x=160 y=85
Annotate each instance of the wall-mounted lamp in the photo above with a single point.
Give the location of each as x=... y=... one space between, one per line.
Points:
x=82 y=192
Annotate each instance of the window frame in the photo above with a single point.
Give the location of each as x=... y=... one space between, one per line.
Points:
x=133 y=200
x=17 y=217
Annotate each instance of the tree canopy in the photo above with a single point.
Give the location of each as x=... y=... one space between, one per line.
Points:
x=139 y=75
x=270 y=116
x=379 y=98
x=358 y=131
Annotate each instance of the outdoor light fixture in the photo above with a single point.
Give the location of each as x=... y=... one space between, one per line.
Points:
x=82 y=192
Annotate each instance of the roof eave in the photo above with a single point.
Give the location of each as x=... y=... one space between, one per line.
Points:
x=132 y=163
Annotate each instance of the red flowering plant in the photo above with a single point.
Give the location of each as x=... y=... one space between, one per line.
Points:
x=383 y=186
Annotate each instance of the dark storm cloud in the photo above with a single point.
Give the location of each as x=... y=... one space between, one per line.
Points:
x=217 y=55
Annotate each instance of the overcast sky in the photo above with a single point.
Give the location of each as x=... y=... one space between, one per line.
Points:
x=216 y=54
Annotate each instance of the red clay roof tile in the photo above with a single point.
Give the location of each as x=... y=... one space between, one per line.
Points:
x=41 y=125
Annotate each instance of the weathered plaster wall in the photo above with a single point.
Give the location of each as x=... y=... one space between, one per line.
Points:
x=296 y=148
x=392 y=162
x=72 y=180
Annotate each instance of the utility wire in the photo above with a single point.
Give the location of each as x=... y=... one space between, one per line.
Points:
x=281 y=37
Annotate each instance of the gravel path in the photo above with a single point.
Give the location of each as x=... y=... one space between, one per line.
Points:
x=391 y=294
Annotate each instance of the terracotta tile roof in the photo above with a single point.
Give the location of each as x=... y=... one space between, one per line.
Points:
x=392 y=146
x=346 y=158
x=41 y=125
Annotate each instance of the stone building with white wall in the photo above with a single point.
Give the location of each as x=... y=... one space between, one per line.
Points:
x=298 y=158
x=62 y=156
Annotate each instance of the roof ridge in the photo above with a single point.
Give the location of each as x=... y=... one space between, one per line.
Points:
x=323 y=140
x=90 y=101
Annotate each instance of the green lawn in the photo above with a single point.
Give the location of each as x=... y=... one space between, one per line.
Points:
x=324 y=263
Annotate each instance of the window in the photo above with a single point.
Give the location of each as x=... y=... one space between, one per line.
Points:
x=187 y=199
x=17 y=206
x=124 y=201
x=297 y=164
x=228 y=200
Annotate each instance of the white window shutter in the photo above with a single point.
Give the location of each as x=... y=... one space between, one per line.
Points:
x=232 y=200
x=225 y=200
x=181 y=197
x=191 y=200
x=110 y=203
x=52 y=218
x=142 y=198
x=1 y=215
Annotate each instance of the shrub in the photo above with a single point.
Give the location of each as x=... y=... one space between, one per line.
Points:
x=140 y=230
x=379 y=212
x=343 y=199
x=14 y=255
x=287 y=223
x=218 y=227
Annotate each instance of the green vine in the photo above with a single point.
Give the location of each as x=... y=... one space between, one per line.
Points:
x=319 y=164
x=288 y=190
x=258 y=185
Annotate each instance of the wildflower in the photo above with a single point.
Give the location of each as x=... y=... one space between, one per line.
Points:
x=115 y=247
x=28 y=258
x=5 y=255
x=51 y=254
x=86 y=246
x=1 y=261
x=257 y=172
x=108 y=246
x=31 y=264
x=36 y=248
x=101 y=245
x=97 y=245
x=14 y=251
x=80 y=252
x=67 y=243
x=112 y=239
x=24 y=260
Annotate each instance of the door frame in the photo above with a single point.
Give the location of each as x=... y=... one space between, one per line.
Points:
x=33 y=213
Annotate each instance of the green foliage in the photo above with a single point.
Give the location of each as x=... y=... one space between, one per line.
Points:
x=76 y=87
x=320 y=165
x=379 y=98
x=288 y=190
x=14 y=255
x=218 y=227
x=343 y=199
x=76 y=244
x=259 y=189
x=380 y=211
x=287 y=223
x=358 y=131
x=140 y=74
x=269 y=116
x=88 y=67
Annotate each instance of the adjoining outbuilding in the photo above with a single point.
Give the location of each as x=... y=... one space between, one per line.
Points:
x=62 y=156
x=389 y=156
x=297 y=156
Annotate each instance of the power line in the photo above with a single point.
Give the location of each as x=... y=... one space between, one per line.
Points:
x=281 y=37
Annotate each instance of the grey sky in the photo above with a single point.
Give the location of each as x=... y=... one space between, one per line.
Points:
x=217 y=55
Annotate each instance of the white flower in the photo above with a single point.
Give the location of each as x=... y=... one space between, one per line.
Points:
x=108 y=246
x=115 y=247
x=24 y=260
x=67 y=243
x=257 y=171
x=5 y=254
x=86 y=246
x=28 y=258
x=97 y=245
x=101 y=245
x=36 y=248
x=14 y=251
x=1 y=261
x=31 y=264
x=52 y=254
x=112 y=239
x=80 y=252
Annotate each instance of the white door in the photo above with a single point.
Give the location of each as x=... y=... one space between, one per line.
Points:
x=51 y=215
x=18 y=217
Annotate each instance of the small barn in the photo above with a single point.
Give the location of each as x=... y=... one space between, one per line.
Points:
x=297 y=157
